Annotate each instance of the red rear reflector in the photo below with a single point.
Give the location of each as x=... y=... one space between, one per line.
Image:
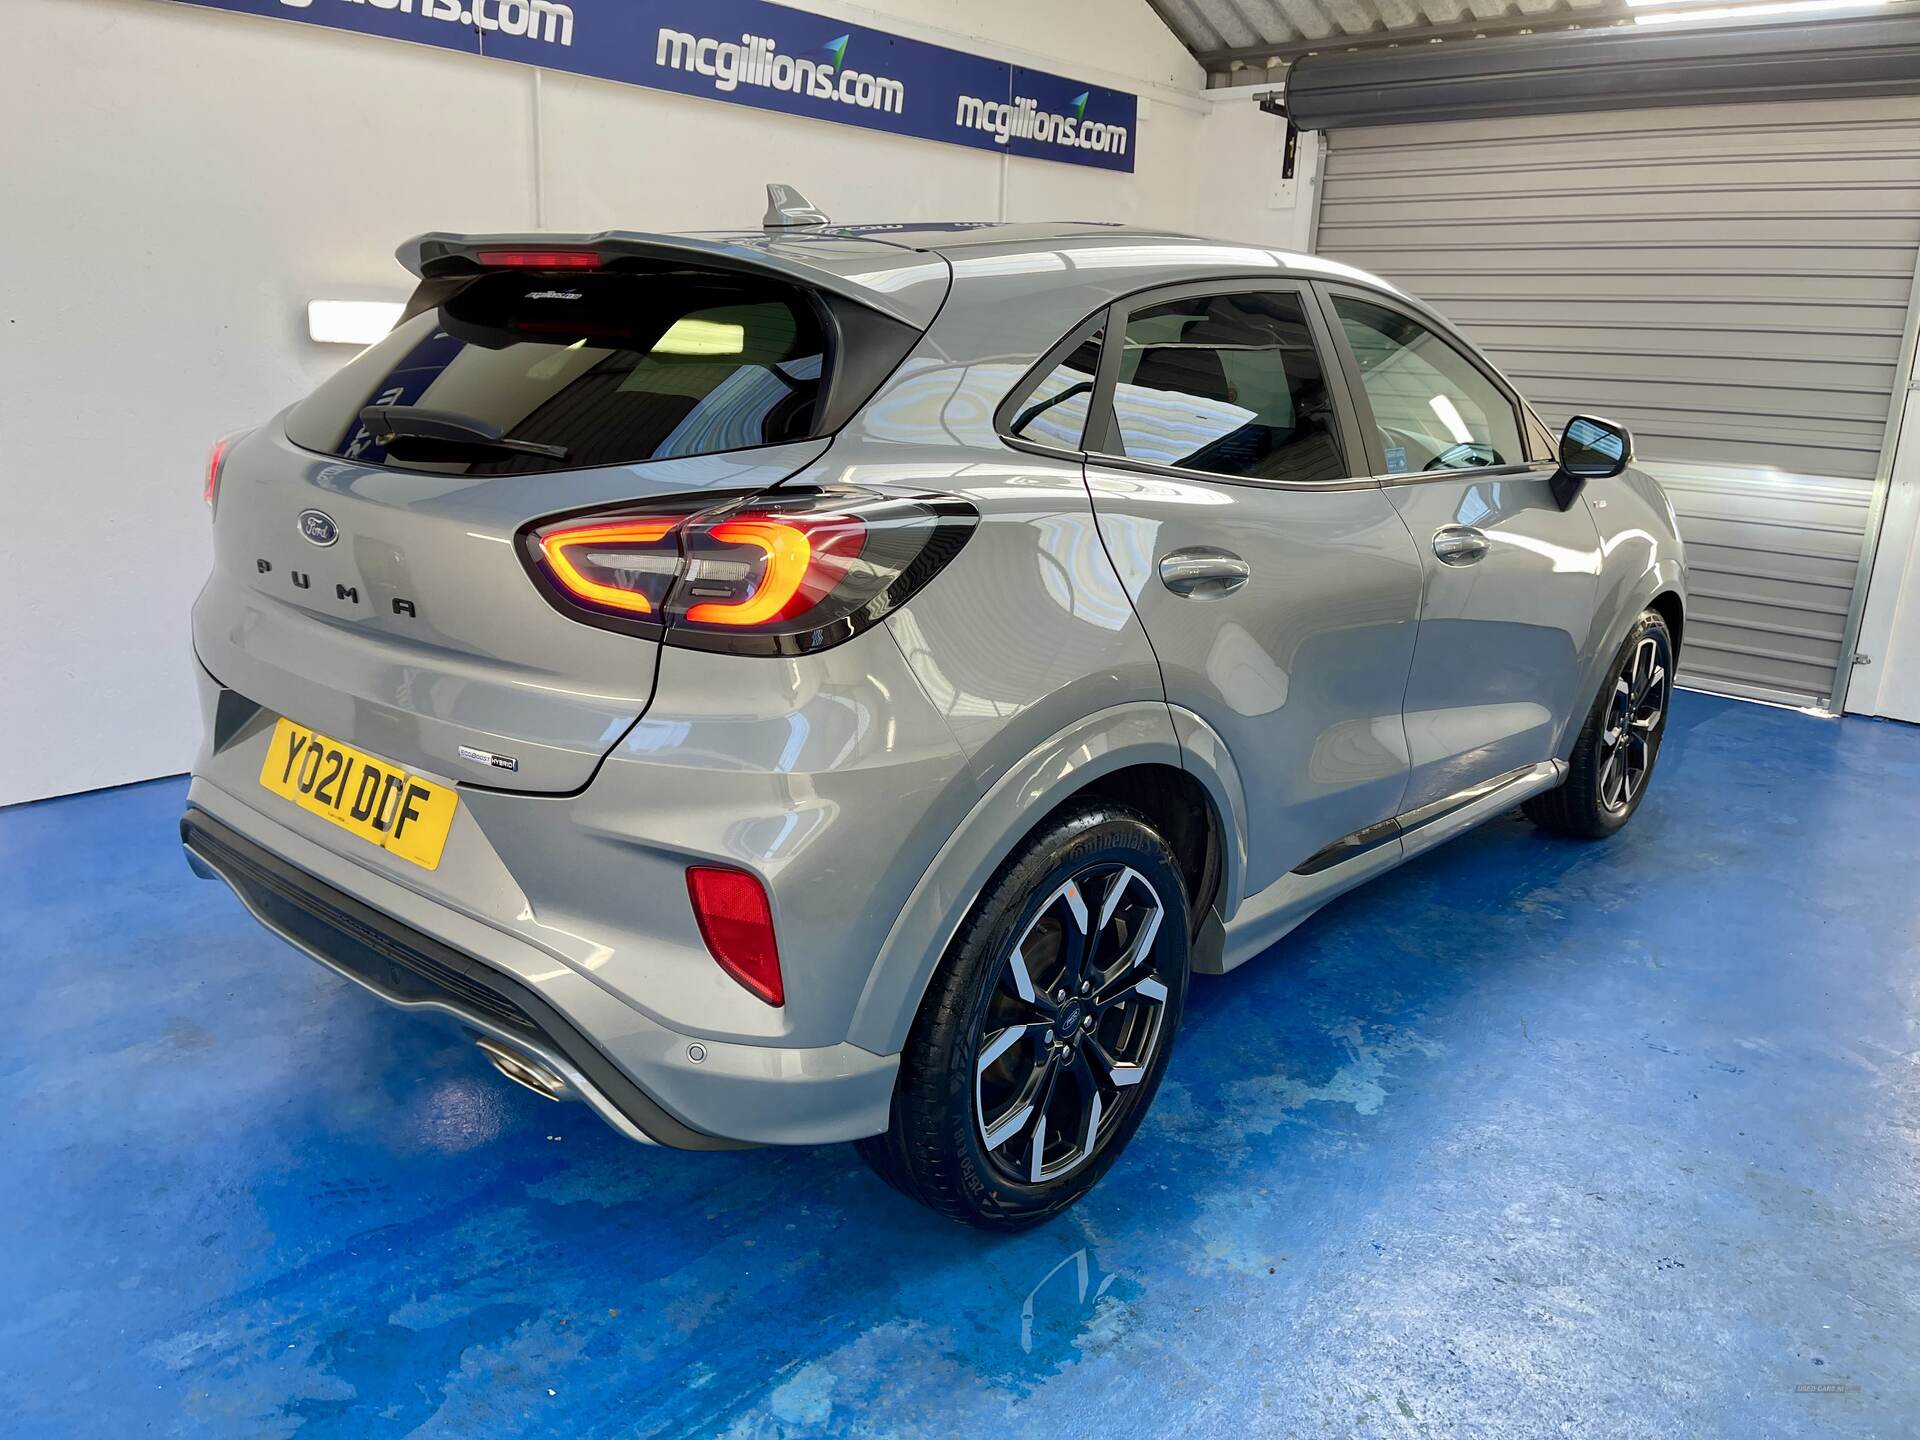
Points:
x=737 y=924
x=539 y=259
x=210 y=491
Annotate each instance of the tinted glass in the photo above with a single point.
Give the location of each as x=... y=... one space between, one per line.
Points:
x=1435 y=408
x=610 y=368
x=1055 y=411
x=1229 y=384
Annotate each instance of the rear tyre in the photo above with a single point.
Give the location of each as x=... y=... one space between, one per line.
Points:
x=1045 y=1031
x=1613 y=758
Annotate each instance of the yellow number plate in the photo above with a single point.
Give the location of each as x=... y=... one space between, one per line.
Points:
x=370 y=798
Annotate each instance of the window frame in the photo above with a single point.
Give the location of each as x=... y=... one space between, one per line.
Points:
x=1524 y=423
x=1101 y=425
x=1547 y=443
x=1009 y=407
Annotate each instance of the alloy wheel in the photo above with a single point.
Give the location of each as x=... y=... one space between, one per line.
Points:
x=1635 y=713
x=1072 y=1025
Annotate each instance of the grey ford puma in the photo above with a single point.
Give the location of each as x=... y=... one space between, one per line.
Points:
x=837 y=683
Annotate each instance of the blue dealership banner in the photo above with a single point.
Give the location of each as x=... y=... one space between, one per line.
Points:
x=772 y=57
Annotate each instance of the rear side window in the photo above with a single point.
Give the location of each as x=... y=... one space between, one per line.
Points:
x=1229 y=384
x=1054 y=412
x=519 y=372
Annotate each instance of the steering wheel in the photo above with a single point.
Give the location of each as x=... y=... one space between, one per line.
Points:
x=1468 y=456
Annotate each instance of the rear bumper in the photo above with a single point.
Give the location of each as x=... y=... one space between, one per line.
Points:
x=637 y=1075
x=407 y=968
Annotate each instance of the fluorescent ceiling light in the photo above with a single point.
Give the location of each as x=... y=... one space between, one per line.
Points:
x=1759 y=10
x=1449 y=416
x=351 y=322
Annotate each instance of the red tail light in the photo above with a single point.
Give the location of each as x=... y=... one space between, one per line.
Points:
x=626 y=565
x=737 y=923
x=210 y=491
x=778 y=575
x=754 y=569
x=539 y=259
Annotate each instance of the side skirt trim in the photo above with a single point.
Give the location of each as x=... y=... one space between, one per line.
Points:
x=1341 y=851
x=1264 y=918
x=1410 y=822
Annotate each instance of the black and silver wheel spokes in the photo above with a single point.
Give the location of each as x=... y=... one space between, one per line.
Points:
x=1634 y=715
x=1072 y=1024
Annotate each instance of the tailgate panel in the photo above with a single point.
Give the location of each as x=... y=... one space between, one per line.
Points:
x=417 y=631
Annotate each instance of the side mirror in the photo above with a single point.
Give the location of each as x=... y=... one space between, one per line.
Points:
x=1590 y=449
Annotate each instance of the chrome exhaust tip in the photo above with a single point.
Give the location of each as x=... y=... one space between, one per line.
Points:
x=525 y=1070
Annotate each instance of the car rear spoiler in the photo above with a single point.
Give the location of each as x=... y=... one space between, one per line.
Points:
x=901 y=283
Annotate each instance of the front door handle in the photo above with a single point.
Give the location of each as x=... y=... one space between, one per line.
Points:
x=1460 y=545
x=1202 y=573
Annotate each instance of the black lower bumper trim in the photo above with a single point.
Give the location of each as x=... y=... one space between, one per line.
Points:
x=402 y=961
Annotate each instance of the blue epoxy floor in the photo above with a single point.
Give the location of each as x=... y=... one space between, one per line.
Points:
x=1531 y=1138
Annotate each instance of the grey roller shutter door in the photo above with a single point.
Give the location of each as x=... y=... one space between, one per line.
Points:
x=1731 y=281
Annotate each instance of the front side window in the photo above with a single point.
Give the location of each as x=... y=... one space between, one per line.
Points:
x=518 y=372
x=1435 y=409
x=1228 y=384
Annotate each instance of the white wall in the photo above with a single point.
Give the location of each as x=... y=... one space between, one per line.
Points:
x=1241 y=195
x=179 y=183
x=182 y=182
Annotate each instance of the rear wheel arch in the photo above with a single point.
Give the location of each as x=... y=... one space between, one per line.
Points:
x=1181 y=809
x=1170 y=799
x=1128 y=755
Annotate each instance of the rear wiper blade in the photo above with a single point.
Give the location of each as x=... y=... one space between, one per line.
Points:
x=388 y=423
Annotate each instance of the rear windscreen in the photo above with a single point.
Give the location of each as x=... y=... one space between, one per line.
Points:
x=521 y=372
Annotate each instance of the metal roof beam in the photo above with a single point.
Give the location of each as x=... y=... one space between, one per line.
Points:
x=1224 y=59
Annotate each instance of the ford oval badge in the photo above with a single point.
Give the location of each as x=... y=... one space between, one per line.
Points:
x=317 y=527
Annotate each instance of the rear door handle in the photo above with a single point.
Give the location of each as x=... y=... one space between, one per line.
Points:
x=1201 y=572
x=1459 y=545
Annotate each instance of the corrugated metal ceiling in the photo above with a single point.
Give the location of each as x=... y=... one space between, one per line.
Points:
x=1235 y=37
